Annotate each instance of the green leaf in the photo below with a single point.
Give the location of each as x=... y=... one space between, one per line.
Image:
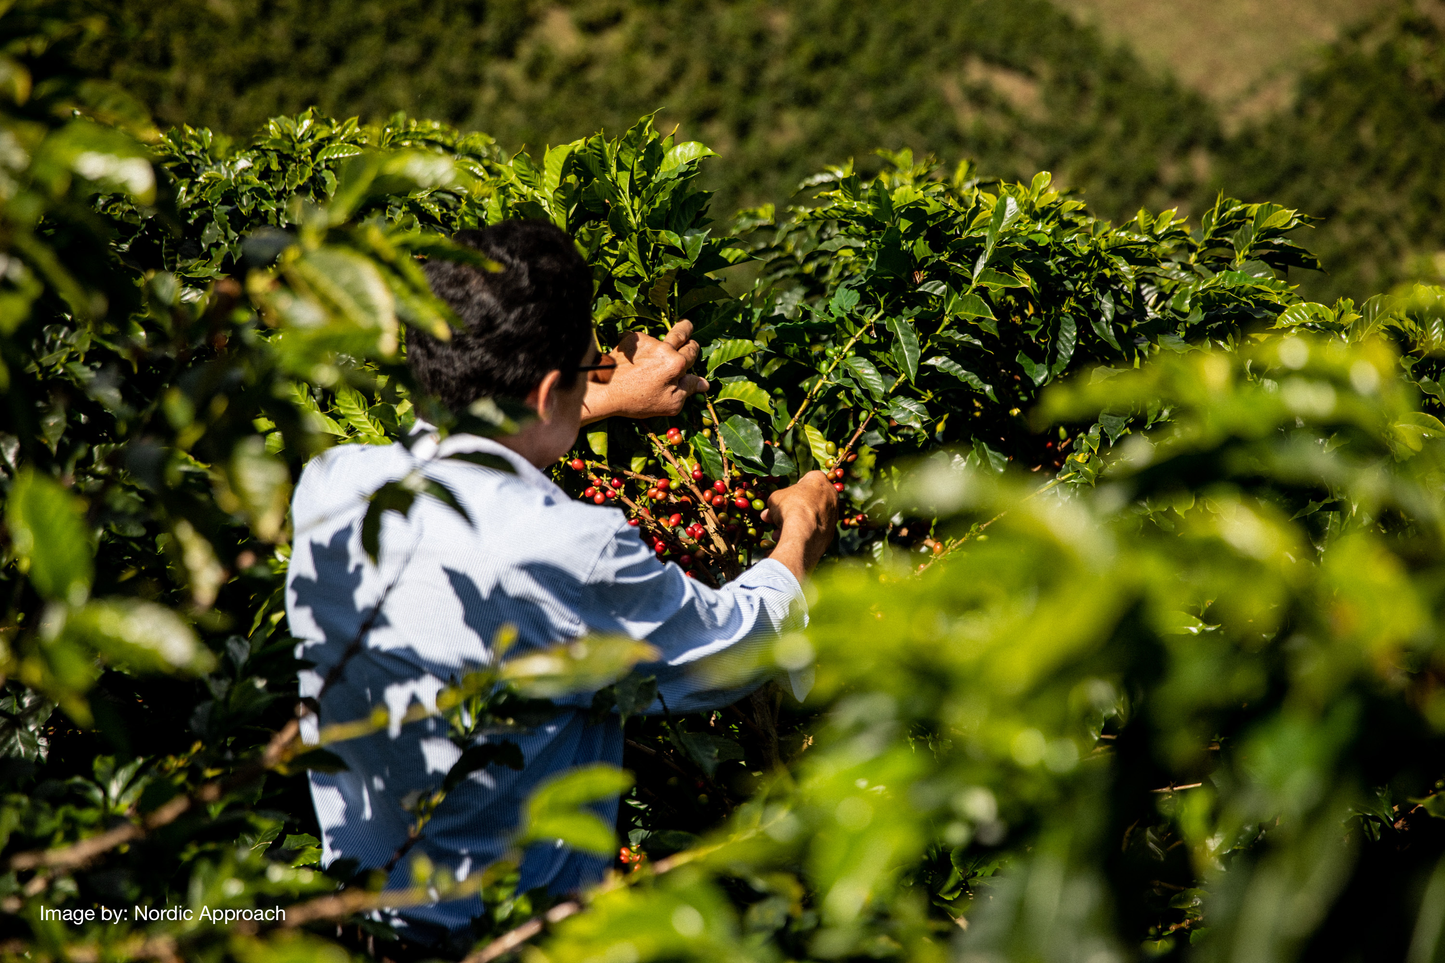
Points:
x=706 y=294
x=743 y=436
x=256 y=484
x=685 y=153
x=967 y=305
x=141 y=635
x=721 y=352
x=307 y=849
x=553 y=164
x=50 y=537
x=707 y=456
x=1066 y=339
x=338 y=152
x=1113 y=424
x=817 y=445
x=782 y=465
x=349 y=288
x=907 y=411
x=868 y=376
x=890 y=260
x=1005 y=209
x=905 y=345
x=748 y=393
x=1038 y=373
x=990 y=278
x=351 y=405
x=635 y=694
x=952 y=367
x=845 y=299
x=554 y=810
x=707 y=750
x=597 y=441
x=1105 y=330
x=1415 y=426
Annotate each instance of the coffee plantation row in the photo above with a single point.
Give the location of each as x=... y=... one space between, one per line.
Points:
x=1130 y=648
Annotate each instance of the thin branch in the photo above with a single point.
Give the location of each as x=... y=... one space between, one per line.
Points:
x=721 y=445
x=505 y=944
x=843 y=452
x=823 y=378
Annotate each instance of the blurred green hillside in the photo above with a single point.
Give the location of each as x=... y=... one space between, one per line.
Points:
x=1349 y=129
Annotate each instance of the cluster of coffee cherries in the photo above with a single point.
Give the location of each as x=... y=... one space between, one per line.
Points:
x=632 y=856
x=709 y=527
x=836 y=476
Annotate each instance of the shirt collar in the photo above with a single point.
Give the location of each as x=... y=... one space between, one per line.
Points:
x=434 y=447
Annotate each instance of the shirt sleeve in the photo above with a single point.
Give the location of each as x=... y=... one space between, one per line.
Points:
x=714 y=643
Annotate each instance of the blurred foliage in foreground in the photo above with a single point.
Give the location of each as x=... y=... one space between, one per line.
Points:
x=1191 y=712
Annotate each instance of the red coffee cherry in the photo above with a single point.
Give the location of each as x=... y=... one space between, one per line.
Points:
x=588 y=492
x=741 y=501
x=664 y=484
x=616 y=483
x=697 y=474
x=577 y=464
x=838 y=486
x=674 y=521
x=720 y=487
x=634 y=522
x=674 y=436
x=599 y=498
x=685 y=561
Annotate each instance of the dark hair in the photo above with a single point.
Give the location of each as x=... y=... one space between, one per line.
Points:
x=531 y=317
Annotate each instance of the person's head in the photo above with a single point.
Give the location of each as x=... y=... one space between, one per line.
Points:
x=526 y=329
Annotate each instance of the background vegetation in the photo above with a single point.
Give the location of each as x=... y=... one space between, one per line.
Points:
x=1347 y=131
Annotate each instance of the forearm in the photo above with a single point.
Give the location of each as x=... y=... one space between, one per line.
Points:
x=802 y=540
x=792 y=551
x=597 y=404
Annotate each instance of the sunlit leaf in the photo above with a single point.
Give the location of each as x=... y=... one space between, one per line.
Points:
x=746 y=392
x=141 y=635
x=49 y=534
x=555 y=809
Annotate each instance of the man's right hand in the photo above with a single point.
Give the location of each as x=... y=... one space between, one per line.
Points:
x=807 y=514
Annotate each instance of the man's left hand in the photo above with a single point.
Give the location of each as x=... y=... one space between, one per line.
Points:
x=651 y=378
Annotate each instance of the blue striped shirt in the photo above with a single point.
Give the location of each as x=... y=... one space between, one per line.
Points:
x=533 y=558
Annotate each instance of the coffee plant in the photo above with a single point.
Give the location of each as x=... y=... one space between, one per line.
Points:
x=1129 y=650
